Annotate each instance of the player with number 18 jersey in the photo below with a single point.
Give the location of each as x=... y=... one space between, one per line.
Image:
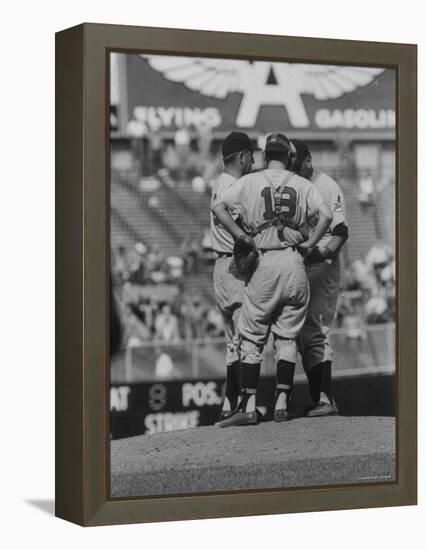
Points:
x=272 y=205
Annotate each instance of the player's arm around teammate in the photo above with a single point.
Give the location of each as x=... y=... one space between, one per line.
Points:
x=276 y=295
x=324 y=215
x=323 y=271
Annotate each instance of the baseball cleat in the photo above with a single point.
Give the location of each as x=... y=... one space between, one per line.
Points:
x=223 y=415
x=309 y=408
x=281 y=415
x=239 y=418
x=323 y=409
x=260 y=415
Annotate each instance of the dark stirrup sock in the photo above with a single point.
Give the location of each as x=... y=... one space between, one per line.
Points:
x=285 y=373
x=284 y=383
x=313 y=376
x=232 y=384
x=250 y=378
x=325 y=384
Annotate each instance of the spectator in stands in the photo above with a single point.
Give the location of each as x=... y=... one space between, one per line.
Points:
x=195 y=253
x=182 y=138
x=171 y=161
x=376 y=309
x=136 y=332
x=354 y=333
x=190 y=251
x=184 y=249
x=362 y=274
x=137 y=270
x=379 y=256
x=120 y=264
x=153 y=202
x=183 y=151
x=164 y=369
x=185 y=315
x=198 y=184
x=198 y=316
x=193 y=313
x=129 y=294
x=350 y=280
x=390 y=297
x=155 y=147
x=204 y=137
x=166 y=325
x=176 y=267
x=146 y=310
x=157 y=265
x=388 y=273
x=343 y=307
x=211 y=171
x=366 y=189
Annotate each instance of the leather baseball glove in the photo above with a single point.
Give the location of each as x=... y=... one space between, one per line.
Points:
x=245 y=255
x=317 y=256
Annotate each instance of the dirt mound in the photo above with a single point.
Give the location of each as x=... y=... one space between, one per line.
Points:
x=303 y=452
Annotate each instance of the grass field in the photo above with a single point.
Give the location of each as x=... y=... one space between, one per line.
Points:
x=300 y=453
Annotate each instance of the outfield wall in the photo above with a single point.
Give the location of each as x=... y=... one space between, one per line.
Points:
x=146 y=408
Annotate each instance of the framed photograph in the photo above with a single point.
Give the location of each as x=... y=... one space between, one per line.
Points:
x=236 y=274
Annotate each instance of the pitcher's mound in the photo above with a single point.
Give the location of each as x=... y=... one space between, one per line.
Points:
x=303 y=452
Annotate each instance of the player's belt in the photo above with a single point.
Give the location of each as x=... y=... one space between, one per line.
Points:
x=223 y=254
x=331 y=260
x=265 y=250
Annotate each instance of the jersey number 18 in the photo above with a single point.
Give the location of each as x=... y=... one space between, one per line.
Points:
x=288 y=203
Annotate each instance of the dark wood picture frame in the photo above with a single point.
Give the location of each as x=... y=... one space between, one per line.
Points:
x=82 y=259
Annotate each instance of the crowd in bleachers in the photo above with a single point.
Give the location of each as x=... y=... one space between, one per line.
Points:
x=368 y=294
x=190 y=157
x=171 y=319
x=153 y=305
x=141 y=264
x=368 y=284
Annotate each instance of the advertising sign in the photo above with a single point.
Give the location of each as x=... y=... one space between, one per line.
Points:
x=168 y=93
x=149 y=408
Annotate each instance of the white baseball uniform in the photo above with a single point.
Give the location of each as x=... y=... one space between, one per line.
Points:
x=228 y=283
x=324 y=280
x=276 y=296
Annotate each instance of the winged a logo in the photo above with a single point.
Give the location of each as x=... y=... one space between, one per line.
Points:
x=263 y=83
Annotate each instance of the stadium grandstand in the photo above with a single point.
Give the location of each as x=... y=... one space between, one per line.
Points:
x=163 y=164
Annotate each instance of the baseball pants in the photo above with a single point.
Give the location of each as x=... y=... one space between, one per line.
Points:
x=228 y=287
x=276 y=299
x=324 y=280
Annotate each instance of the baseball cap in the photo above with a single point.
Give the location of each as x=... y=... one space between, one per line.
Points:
x=277 y=142
x=301 y=149
x=236 y=142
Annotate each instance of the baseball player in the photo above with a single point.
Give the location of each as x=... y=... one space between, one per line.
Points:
x=237 y=153
x=323 y=271
x=272 y=205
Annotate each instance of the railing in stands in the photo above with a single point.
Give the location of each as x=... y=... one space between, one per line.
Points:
x=372 y=353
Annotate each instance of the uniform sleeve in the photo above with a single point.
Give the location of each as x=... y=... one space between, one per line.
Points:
x=233 y=197
x=214 y=195
x=314 y=200
x=337 y=205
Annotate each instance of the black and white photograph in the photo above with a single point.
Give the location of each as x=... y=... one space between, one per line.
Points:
x=253 y=280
